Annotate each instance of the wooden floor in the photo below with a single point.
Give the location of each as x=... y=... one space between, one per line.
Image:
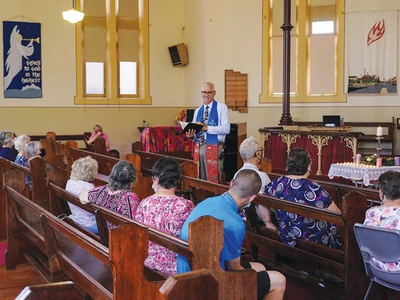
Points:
x=13 y=281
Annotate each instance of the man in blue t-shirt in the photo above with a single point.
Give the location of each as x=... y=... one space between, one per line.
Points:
x=243 y=189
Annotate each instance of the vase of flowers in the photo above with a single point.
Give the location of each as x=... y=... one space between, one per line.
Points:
x=371 y=160
x=181 y=117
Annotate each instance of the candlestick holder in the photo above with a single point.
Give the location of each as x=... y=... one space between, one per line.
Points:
x=379 y=148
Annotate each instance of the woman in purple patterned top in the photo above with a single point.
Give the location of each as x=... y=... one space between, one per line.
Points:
x=388 y=214
x=297 y=188
x=117 y=194
x=164 y=211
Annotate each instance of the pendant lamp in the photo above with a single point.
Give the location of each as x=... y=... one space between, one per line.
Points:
x=73 y=15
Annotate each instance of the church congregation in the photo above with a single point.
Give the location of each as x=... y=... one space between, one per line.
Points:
x=291 y=157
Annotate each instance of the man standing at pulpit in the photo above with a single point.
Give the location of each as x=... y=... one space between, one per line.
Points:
x=209 y=142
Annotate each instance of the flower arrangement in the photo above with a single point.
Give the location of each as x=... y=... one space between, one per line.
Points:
x=180 y=117
x=371 y=160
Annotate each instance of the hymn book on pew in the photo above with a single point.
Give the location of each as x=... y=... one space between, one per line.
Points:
x=189 y=125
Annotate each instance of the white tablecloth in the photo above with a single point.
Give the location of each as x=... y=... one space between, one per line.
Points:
x=359 y=172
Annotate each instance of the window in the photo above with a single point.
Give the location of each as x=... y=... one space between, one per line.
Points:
x=94 y=78
x=112 y=66
x=322 y=27
x=316 y=58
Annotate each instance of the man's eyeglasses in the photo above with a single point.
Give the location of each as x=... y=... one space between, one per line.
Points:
x=207 y=92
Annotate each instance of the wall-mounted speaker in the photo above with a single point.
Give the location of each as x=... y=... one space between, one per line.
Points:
x=179 y=55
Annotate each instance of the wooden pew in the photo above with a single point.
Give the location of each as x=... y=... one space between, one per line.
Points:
x=60 y=291
x=60 y=138
x=202 y=250
x=109 y=273
x=338 y=190
x=37 y=170
x=345 y=263
x=143 y=165
x=54 y=150
x=106 y=163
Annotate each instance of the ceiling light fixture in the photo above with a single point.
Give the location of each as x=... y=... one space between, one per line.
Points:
x=73 y=15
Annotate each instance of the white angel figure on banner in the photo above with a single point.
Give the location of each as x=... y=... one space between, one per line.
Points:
x=15 y=54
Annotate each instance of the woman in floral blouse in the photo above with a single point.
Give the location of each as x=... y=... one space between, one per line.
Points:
x=164 y=211
x=388 y=214
x=117 y=194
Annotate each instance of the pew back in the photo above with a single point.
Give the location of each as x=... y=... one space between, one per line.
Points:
x=202 y=250
x=108 y=273
x=345 y=263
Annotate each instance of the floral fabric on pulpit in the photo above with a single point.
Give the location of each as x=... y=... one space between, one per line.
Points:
x=160 y=139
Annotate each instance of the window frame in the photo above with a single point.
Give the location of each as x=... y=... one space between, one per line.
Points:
x=302 y=28
x=111 y=22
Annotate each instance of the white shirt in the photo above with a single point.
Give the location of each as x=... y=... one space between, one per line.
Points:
x=264 y=177
x=224 y=127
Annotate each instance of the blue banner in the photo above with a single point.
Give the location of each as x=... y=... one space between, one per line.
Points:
x=22 y=60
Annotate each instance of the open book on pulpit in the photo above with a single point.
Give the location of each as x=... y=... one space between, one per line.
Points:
x=189 y=125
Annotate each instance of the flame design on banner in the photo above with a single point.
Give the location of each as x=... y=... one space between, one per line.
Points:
x=377 y=31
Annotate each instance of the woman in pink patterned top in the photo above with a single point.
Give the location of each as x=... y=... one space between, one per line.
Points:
x=388 y=214
x=98 y=132
x=117 y=194
x=164 y=211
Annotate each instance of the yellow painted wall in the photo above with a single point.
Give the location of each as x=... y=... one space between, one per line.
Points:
x=219 y=35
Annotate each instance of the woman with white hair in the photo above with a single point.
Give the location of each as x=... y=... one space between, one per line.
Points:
x=83 y=171
x=20 y=143
x=7 y=151
x=32 y=150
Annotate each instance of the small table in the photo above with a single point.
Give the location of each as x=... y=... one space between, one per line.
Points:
x=365 y=174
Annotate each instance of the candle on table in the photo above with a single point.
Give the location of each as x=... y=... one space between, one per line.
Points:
x=358 y=159
x=379 y=161
x=379 y=131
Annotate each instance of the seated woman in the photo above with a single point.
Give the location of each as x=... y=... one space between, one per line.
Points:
x=7 y=150
x=296 y=187
x=32 y=150
x=20 y=143
x=83 y=171
x=388 y=214
x=98 y=133
x=164 y=211
x=117 y=194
